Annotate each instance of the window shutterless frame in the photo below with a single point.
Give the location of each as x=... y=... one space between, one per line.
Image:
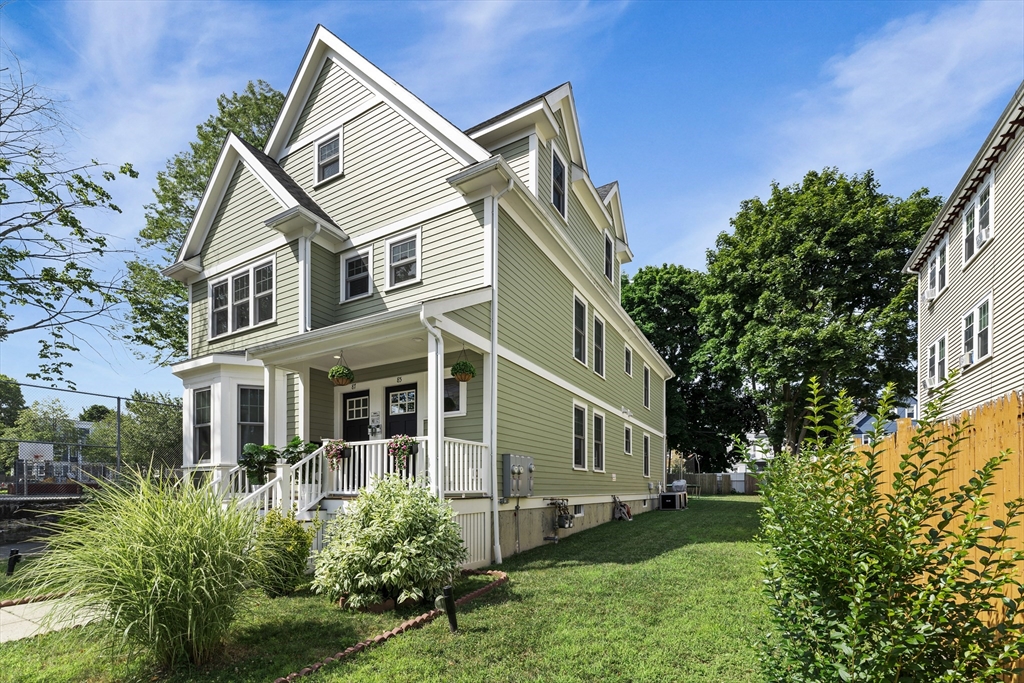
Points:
x=627 y=365
x=627 y=440
x=978 y=221
x=454 y=395
x=243 y=299
x=579 y=328
x=598 y=441
x=250 y=416
x=937 y=362
x=977 y=333
x=609 y=257
x=328 y=161
x=579 y=436
x=599 y=332
x=647 y=455
x=357 y=274
x=202 y=424
x=559 y=181
x=647 y=387
x=403 y=259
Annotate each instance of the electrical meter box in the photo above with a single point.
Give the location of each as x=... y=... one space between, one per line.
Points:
x=517 y=479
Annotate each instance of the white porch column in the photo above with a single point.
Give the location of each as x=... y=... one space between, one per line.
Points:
x=270 y=404
x=435 y=411
x=302 y=409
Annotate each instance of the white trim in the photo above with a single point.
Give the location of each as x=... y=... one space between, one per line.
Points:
x=604 y=440
x=304 y=285
x=461 y=412
x=974 y=210
x=348 y=255
x=604 y=345
x=264 y=250
x=335 y=125
x=586 y=416
x=627 y=429
x=586 y=329
x=490 y=215
x=191 y=318
x=403 y=237
x=938 y=377
x=645 y=456
x=934 y=261
x=976 y=311
x=428 y=214
x=533 y=183
x=646 y=388
x=229 y=280
x=627 y=353
x=338 y=133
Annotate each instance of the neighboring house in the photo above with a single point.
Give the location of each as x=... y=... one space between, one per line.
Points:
x=971 y=295
x=372 y=229
x=864 y=423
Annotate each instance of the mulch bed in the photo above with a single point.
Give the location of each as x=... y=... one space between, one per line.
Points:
x=415 y=622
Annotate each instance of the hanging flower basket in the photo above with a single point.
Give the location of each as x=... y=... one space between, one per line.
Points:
x=341 y=375
x=337 y=452
x=401 y=447
x=463 y=371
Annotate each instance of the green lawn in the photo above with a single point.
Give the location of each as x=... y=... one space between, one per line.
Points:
x=669 y=596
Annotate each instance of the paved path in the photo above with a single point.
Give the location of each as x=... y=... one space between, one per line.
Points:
x=25 y=621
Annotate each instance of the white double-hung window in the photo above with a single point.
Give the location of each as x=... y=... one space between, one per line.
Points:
x=402 y=254
x=579 y=329
x=937 y=271
x=977 y=333
x=328 y=158
x=936 y=362
x=356 y=279
x=977 y=219
x=243 y=299
x=609 y=257
x=558 y=183
x=598 y=345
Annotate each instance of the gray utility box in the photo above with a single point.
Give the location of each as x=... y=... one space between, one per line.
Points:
x=517 y=475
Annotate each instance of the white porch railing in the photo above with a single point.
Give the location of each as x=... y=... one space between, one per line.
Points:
x=465 y=467
x=370 y=459
x=306 y=480
x=264 y=498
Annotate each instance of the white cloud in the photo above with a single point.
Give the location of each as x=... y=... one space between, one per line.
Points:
x=917 y=83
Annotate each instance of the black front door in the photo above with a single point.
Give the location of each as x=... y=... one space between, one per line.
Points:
x=400 y=410
x=355 y=415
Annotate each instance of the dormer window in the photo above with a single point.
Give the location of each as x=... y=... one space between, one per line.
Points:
x=328 y=154
x=557 y=183
x=609 y=256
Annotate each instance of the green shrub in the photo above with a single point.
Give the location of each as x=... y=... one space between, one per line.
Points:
x=160 y=563
x=395 y=541
x=281 y=553
x=869 y=585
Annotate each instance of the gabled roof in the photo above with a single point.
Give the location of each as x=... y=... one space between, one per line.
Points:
x=510 y=113
x=1008 y=126
x=604 y=190
x=297 y=193
x=325 y=45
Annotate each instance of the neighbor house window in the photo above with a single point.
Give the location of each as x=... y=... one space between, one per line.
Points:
x=598 y=442
x=647 y=456
x=937 y=270
x=557 y=183
x=978 y=223
x=355 y=273
x=579 y=437
x=245 y=297
x=911 y=413
x=598 y=346
x=977 y=333
x=250 y=416
x=937 y=361
x=454 y=396
x=201 y=425
x=403 y=259
x=647 y=387
x=627 y=445
x=609 y=255
x=628 y=363
x=328 y=158
x=579 y=332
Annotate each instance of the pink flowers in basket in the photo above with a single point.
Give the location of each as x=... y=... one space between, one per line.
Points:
x=336 y=452
x=400 y=448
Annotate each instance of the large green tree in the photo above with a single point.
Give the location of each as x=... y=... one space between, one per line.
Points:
x=150 y=431
x=51 y=285
x=12 y=401
x=158 y=319
x=705 y=406
x=46 y=422
x=808 y=284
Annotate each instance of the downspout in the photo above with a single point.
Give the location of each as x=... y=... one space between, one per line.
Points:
x=437 y=406
x=308 y=275
x=492 y=438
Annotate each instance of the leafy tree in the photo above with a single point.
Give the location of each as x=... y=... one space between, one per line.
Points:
x=12 y=402
x=705 y=406
x=809 y=283
x=45 y=421
x=95 y=413
x=47 y=254
x=150 y=431
x=159 y=306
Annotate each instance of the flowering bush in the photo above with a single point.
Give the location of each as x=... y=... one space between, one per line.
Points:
x=400 y=448
x=336 y=451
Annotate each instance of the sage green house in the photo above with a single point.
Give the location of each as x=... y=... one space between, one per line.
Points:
x=373 y=233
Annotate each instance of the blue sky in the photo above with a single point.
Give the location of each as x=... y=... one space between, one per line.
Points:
x=692 y=107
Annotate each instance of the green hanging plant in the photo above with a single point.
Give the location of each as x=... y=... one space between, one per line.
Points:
x=463 y=371
x=341 y=375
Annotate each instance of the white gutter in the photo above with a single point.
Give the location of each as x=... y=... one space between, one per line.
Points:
x=492 y=438
x=435 y=408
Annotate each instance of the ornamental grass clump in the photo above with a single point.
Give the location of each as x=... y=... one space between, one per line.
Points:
x=394 y=541
x=160 y=564
x=917 y=581
x=281 y=553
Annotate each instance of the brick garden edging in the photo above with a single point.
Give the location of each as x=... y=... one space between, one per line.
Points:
x=415 y=622
x=30 y=599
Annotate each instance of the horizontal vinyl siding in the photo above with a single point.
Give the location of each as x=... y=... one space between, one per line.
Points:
x=321 y=406
x=452 y=261
x=325 y=291
x=535 y=419
x=238 y=225
x=517 y=154
x=993 y=270
x=391 y=170
x=476 y=318
x=291 y=405
x=286 y=303
x=334 y=92
x=535 y=319
x=470 y=426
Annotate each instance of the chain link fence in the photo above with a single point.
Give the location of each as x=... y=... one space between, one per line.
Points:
x=55 y=441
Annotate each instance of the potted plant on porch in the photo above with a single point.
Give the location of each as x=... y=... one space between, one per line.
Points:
x=257 y=460
x=337 y=452
x=401 y=447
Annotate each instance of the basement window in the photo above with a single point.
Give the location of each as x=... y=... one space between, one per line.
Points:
x=577 y=510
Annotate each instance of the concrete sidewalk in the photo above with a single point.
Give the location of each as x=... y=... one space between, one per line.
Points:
x=25 y=621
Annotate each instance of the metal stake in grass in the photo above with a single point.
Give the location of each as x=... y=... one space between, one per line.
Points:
x=449 y=608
